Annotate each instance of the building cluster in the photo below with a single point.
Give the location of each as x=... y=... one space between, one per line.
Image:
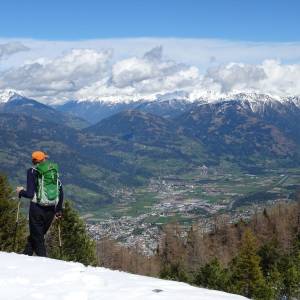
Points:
x=132 y=232
x=178 y=199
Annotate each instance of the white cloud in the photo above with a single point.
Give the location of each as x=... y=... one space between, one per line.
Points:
x=236 y=76
x=270 y=77
x=10 y=48
x=131 y=69
x=198 y=52
x=136 y=78
x=281 y=79
x=59 y=76
x=143 y=77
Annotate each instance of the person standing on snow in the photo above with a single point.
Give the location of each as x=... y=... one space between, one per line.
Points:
x=46 y=193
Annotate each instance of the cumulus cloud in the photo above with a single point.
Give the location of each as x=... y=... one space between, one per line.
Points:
x=143 y=78
x=131 y=71
x=236 y=76
x=281 y=79
x=101 y=74
x=10 y=48
x=146 y=77
x=270 y=77
x=155 y=54
x=61 y=75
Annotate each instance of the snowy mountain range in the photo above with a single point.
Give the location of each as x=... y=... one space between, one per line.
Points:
x=171 y=98
x=121 y=142
x=169 y=107
x=228 y=120
x=24 y=277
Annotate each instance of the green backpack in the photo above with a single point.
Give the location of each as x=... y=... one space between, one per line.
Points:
x=47 y=183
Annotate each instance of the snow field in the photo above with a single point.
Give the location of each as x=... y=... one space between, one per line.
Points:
x=31 y=278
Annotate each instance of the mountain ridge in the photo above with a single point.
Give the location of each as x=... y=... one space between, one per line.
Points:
x=12 y=102
x=6 y=94
x=168 y=107
x=130 y=147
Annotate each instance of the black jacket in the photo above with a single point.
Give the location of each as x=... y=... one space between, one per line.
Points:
x=31 y=188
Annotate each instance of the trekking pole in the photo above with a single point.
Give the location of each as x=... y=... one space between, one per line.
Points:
x=16 y=225
x=59 y=238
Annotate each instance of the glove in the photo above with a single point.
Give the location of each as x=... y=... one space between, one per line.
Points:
x=58 y=214
x=18 y=190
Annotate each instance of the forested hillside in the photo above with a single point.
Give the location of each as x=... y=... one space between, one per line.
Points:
x=259 y=258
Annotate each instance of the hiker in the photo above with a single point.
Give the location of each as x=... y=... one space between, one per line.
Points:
x=46 y=193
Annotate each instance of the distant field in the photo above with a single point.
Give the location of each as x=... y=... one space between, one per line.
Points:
x=216 y=191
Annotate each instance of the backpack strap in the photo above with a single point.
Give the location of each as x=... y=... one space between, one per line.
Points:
x=33 y=169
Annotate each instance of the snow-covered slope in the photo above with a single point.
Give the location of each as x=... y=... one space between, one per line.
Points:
x=23 y=277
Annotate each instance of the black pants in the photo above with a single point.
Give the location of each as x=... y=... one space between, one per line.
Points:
x=40 y=219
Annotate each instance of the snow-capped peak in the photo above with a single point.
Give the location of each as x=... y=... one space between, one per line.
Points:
x=8 y=94
x=293 y=99
x=207 y=96
x=251 y=97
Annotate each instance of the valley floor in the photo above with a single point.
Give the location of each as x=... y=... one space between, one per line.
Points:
x=135 y=220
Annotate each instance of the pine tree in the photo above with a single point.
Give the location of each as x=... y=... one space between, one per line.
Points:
x=289 y=268
x=274 y=281
x=291 y=280
x=8 y=212
x=270 y=258
x=246 y=276
x=76 y=244
x=212 y=275
x=174 y=271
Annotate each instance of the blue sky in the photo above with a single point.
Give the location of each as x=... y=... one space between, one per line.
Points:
x=109 y=50
x=252 y=20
